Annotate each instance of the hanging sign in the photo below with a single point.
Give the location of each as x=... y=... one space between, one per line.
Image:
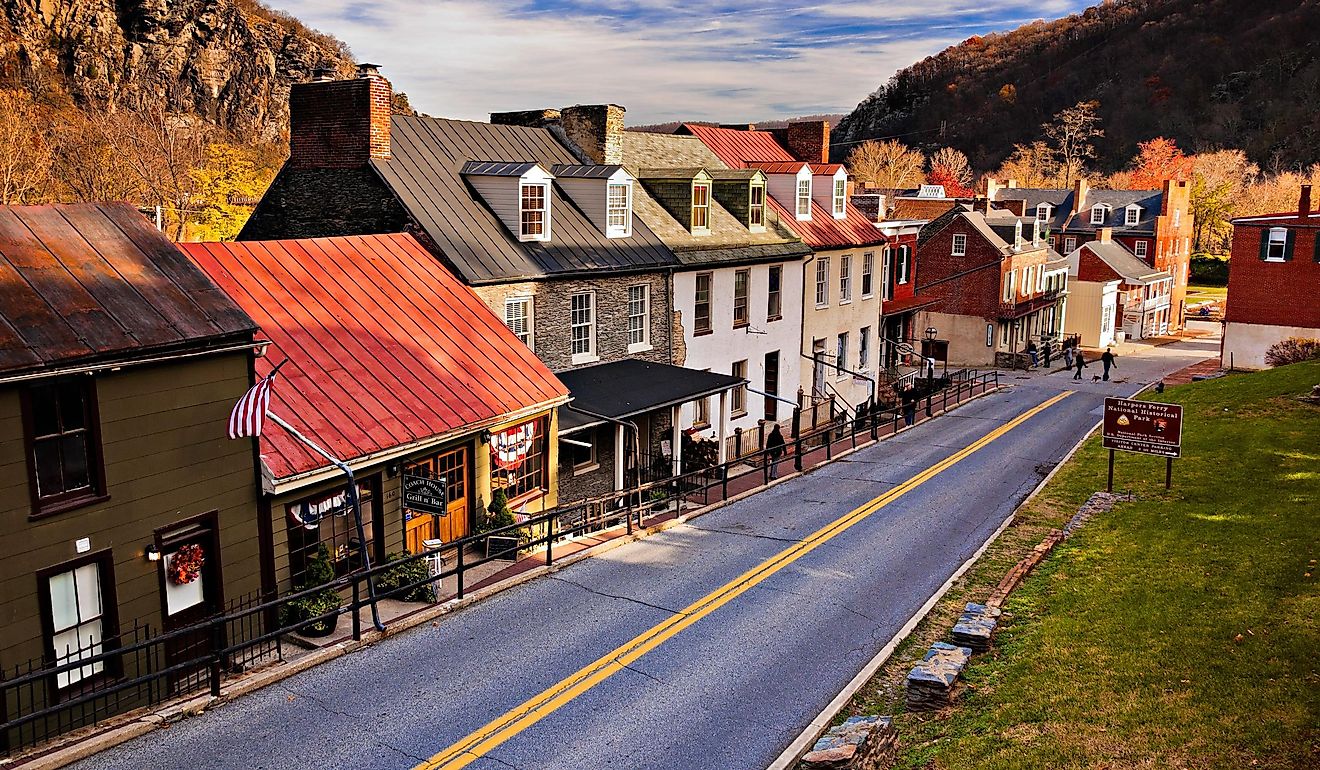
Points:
x=425 y=493
x=1143 y=426
x=509 y=448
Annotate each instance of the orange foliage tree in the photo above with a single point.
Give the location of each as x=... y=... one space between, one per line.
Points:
x=1159 y=160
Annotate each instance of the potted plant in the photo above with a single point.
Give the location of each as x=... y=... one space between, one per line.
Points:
x=391 y=582
x=297 y=613
x=659 y=499
x=499 y=516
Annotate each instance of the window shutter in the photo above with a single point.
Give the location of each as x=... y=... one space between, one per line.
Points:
x=1317 y=246
x=1288 y=248
x=1264 y=243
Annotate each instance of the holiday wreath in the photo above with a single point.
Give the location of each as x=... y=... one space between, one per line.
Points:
x=186 y=564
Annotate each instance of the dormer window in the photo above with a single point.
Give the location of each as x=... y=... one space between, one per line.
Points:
x=804 y=198
x=840 y=198
x=756 y=208
x=534 y=211
x=618 y=210
x=1042 y=212
x=1098 y=213
x=1131 y=216
x=700 y=207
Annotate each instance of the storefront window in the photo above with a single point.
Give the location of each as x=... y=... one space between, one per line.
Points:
x=327 y=518
x=518 y=458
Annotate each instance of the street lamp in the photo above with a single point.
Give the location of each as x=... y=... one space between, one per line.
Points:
x=931 y=332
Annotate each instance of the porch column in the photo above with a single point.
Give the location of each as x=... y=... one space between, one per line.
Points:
x=722 y=426
x=676 y=438
x=619 y=454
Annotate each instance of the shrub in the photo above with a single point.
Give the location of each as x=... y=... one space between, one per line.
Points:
x=1292 y=350
x=399 y=575
x=1207 y=270
x=320 y=570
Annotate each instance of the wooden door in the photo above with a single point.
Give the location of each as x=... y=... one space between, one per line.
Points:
x=189 y=597
x=455 y=466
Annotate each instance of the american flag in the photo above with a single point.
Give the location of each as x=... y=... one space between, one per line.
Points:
x=249 y=413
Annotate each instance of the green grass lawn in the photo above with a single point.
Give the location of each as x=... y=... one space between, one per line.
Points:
x=1199 y=293
x=1178 y=631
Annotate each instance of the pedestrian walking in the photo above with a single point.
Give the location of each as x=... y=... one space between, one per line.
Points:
x=1107 y=358
x=1046 y=352
x=774 y=449
x=1081 y=363
x=1067 y=355
x=1033 y=351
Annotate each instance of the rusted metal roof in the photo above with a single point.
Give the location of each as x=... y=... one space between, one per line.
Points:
x=385 y=346
x=579 y=171
x=495 y=168
x=90 y=283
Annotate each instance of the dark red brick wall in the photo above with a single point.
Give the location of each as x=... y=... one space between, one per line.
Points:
x=973 y=293
x=808 y=141
x=339 y=124
x=1275 y=293
x=904 y=290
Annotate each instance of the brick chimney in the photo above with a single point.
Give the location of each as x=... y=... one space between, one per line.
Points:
x=808 y=141
x=1080 y=189
x=1105 y=235
x=340 y=123
x=596 y=130
x=1304 y=202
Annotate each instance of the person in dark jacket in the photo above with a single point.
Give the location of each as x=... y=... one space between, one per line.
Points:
x=1032 y=351
x=1080 y=361
x=1107 y=358
x=1046 y=351
x=774 y=449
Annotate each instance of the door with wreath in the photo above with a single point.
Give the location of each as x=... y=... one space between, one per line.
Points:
x=191 y=592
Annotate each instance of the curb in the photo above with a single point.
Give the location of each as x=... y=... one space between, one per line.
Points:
x=136 y=726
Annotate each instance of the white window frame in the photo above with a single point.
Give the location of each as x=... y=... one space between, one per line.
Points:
x=1018 y=243
x=774 y=295
x=1177 y=215
x=845 y=279
x=1043 y=212
x=868 y=275
x=738 y=396
x=841 y=355
x=959 y=245
x=524 y=231
x=1010 y=286
x=803 y=206
x=528 y=335
x=755 y=210
x=840 y=198
x=1069 y=244
x=639 y=323
x=1036 y=233
x=1099 y=212
x=704 y=208
x=863 y=348
x=622 y=211
x=822 y=281
x=1281 y=243
x=1131 y=215
x=886 y=270
x=593 y=460
x=903 y=264
x=77 y=632
x=587 y=353
x=1140 y=248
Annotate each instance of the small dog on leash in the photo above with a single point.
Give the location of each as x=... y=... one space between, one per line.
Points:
x=1095 y=378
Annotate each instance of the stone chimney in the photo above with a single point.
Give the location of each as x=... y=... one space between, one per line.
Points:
x=1080 y=189
x=808 y=141
x=1304 y=202
x=596 y=130
x=340 y=123
x=1105 y=235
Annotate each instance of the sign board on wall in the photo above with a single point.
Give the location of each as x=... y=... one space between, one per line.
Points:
x=1143 y=426
x=425 y=493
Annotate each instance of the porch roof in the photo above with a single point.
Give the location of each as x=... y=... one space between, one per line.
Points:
x=628 y=388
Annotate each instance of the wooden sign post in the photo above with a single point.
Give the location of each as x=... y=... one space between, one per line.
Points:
x=1145 y=427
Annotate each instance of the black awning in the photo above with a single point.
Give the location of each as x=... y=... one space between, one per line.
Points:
x=627 y=388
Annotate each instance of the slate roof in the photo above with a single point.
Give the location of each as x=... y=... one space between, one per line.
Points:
x=495 y=168
x=86 y=283
x=425 y=172
x=385 y=346
x=579 y=171
x=1120 y=260
x=1061 y=219
x=743 y=149
x=630 y=387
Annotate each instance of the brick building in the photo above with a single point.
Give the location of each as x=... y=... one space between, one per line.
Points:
x=996 y=283
x=1143 y=293
x=1155 y=225
x=1273 y=283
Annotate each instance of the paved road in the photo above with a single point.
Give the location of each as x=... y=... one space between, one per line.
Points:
x=728 y=692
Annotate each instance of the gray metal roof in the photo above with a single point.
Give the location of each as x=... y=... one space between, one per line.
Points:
x=579 y=171
x=735 y=174
x=425 y=172
x=1122 y=261
x=1061 y=219
x=495 y=168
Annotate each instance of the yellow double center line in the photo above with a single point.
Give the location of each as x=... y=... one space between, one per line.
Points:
x=516 y=720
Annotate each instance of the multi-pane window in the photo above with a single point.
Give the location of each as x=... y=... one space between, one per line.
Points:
x=618 y=209
x=841 y=354
x=639 y=315
x=518 y=317
x=1069 y=244
x=701 y=411
x=534 y=210
x=904 y=263
x=1098 y=212
x=327 y=519
x=840 y=196
x=1042 y=212
x=583 y=323
x=1132 y=216
x=700 y=206
x=78 y=620
x=756 y=206
x=774 y=297
x=1276 y=247
x=804 y=199
x=772 y=385
x=959 y=244
x=740 y=280
x=868 y=273
x=822 y=281
x=887 y=274
x=845 y=278
x=1009 y=289
x=864 y=348
x=62 y=444
x=738 y=396
x=701 y=309
x=527 y=473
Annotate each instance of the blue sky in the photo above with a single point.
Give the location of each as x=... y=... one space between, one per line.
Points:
x=662 y=59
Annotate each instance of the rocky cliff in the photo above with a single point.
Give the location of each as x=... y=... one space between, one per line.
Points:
x=229 y=62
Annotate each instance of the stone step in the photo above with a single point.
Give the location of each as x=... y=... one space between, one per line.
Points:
x=930 y=682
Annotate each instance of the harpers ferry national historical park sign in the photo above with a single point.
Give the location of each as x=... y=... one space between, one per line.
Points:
x=1145 y=427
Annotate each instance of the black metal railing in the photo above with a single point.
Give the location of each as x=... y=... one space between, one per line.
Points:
x=138 y=670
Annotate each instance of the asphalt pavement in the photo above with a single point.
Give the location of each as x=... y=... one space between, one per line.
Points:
x=727 y=692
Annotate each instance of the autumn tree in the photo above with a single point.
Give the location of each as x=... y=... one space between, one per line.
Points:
x=226 y=184
x=89 y=161
x=1218 y=183
x=163 y=149
x=887 y=164
x=1032 y=165
x=25 y=154
x=1070 y=135
x=1157 y=161
x=950 y=168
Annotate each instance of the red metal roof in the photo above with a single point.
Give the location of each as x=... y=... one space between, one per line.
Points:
x=760 y=149
x=385 y=347
x=90 y=283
